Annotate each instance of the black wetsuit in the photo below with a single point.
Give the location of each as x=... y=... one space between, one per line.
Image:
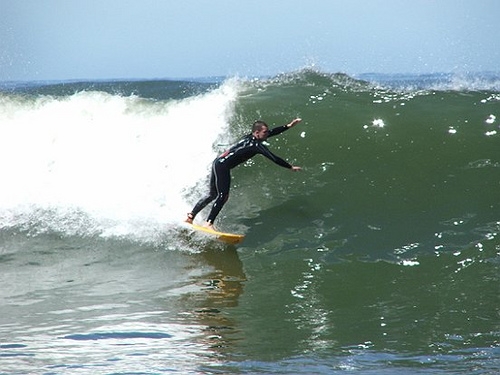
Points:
x=220 y=178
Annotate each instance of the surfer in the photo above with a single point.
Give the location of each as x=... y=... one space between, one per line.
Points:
x=220 y=178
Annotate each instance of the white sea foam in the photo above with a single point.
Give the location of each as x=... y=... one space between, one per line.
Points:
x=96 y=163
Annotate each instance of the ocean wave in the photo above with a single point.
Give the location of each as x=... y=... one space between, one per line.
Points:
x=373 y=157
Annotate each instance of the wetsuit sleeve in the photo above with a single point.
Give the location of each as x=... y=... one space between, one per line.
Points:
x=278 y=130
x=276 y=159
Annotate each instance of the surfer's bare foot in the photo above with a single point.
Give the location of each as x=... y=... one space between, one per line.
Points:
x=190 y=218
x=209 y=225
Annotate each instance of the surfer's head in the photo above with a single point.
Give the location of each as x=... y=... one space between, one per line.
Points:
x=260 y=130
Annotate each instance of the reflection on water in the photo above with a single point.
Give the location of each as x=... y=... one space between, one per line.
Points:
x=221 y=288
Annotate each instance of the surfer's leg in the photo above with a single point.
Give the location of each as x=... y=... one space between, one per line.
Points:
x=222 y=185
x=203 y=202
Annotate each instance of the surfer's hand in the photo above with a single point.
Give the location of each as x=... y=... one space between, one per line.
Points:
x=295 y=168
x=294 y=122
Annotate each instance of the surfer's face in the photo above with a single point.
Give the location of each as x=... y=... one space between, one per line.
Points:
x=262 y=134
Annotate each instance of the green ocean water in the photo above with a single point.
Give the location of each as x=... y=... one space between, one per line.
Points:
x=380 y=257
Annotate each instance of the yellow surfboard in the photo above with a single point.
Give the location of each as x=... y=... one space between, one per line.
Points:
x=230 y=238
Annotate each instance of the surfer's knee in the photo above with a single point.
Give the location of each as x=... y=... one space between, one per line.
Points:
x=222 y=198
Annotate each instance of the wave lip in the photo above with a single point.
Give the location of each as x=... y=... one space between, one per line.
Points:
x=479 y=81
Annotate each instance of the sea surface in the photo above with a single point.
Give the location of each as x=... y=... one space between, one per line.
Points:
x=382 y=256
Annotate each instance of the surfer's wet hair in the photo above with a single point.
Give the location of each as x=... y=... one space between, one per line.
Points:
x=258 y=125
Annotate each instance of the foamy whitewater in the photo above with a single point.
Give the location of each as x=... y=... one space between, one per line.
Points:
x=382 y=256
x=106 y=161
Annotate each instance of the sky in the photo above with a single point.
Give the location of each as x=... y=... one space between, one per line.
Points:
x=154 y=39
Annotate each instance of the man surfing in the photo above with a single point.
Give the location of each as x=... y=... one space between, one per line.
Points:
x=220 y=178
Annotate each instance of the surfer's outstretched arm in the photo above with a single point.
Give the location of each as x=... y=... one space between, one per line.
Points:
x=280 y=129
